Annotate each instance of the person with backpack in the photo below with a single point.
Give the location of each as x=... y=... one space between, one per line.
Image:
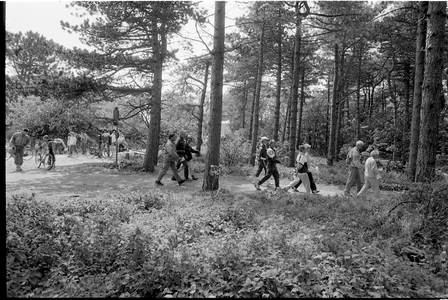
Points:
x=188 y=157
x=353 y=160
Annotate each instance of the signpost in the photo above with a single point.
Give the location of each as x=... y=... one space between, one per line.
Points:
x=116 y=117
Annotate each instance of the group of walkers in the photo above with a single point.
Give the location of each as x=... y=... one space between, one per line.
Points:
x=177 y=154
x=372 y=172
x=21 y=139
x=267 y=161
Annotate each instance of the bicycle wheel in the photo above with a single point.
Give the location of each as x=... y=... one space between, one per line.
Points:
x=38 y=158
x=27 y=154
x=42 y=161
x=106 y=152
x=91 y=152
x=50 y=162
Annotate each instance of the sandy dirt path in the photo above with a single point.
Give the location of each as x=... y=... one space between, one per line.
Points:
x=76 y=176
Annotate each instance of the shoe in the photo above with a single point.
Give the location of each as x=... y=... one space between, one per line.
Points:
x=181 y=181
x=194 y=178
x=158 y=183
x=315 y=192
x=188 y=179
x=347 y=194
x=295 y=189
x=173 y=178
x=19 y=169
x=257 y=186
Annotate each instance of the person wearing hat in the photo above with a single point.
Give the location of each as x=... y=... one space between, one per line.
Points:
x=18 y=142
x=310 y=175
x=271 y=162
x=170 y=159
x=262 y=157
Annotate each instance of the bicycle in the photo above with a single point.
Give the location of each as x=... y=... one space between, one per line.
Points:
x=47 y=161
x=94 y=151
x=27 y=153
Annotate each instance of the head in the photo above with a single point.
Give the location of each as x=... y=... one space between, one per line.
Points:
x=25 y=130
x=359 y=145
x=272 y=143
x=302 y=148
x=183 y=135
x=46 y=138
x=307 y=147
x=264 y=140
x=189 y=139
x=172 y=137
x=375 y=154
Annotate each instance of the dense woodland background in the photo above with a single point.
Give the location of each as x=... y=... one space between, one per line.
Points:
x=326 y=73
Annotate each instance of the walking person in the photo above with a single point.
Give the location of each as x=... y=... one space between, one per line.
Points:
x=354 y=177
x=180 y=150
x=18 y=142
x=371 y=175
x=170 y=159
x=188 y=157
x=71 y=143
x=262 y=157
x=309 y=161
x=271 y=162
x=301 y=173
x=83 y=140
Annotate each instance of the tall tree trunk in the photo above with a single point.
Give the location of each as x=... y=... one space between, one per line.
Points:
x=201 y=107
x=333 y=111
x=418 y=82
x=152 y=143
x=432 y=96
x=295 y=91
x=257 y=97
x=279 y=81
x=243 y=105
x=211 y=178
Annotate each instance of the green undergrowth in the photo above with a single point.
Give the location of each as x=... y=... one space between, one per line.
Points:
x=203 y=244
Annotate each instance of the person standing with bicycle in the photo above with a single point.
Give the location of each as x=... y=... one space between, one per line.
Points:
x=18 y=142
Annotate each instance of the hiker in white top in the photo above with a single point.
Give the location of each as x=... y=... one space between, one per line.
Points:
x=301 y=173
x=371 y=175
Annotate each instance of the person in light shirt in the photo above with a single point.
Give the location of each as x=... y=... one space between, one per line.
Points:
x=371 y=175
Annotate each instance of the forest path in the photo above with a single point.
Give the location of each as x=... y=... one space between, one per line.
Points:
x=72 y=178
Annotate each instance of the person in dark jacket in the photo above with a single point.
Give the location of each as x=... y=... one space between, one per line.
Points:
x=272 y=162
x=262 y=156
x=180 y=150
x=188 y=157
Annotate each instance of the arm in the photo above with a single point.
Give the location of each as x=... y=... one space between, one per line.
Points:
x=12 y=140
x=170 y=149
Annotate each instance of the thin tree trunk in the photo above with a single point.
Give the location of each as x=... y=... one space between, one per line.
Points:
x=279 y=81
x=302 y=100
x=333 y=112
x=201 y=108
x=257 y=97
x=211 y=176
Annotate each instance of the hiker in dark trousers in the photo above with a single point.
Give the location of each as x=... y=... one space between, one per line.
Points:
x=272 y=162
x=188 y=157
x=180 y=150
x=262 y=157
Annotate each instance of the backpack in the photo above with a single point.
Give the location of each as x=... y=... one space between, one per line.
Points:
x=348 y=159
